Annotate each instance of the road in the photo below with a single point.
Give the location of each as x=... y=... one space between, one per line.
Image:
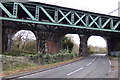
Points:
x=94 y=66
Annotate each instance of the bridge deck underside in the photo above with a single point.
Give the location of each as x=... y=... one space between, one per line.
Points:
x=54 y=29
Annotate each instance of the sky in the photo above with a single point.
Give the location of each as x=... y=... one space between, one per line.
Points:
x=98 y=6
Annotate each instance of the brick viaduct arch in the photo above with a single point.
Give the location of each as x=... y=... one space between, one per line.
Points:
x=51 y=42
x=55 y=22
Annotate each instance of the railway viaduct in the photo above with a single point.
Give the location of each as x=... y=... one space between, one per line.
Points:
x=51 y=23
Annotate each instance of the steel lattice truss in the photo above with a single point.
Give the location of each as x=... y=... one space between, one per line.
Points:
x=39 y=13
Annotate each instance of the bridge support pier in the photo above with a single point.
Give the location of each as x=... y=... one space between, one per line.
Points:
x=83 y=48
x=10 y=41
x=108 y=39
x=48 y=42
x=0 y=36
x=114 y=45
x=7 y=39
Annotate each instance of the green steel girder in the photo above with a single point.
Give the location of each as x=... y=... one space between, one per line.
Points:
x=64 y=17
x=37 y=13
x=5 y=10
x=80 y=19
x=94 y=21
x=15 y=10
x=26 y=10
x=116 y=25
x=45 y=14
x=106 y=22
x=55 y=24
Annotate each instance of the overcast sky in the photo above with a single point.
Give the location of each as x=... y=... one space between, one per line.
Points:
x=98 y=6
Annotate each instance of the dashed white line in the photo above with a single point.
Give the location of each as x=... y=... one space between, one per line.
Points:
x=89 y=63
x=75 y=71
x=81 y=67
x=94 y=58
x=110 y=62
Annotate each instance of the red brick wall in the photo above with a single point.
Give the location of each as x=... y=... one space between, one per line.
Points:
x=52 y=46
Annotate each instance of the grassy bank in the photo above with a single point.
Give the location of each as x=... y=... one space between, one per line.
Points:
x=20 y=62
x=29 y=68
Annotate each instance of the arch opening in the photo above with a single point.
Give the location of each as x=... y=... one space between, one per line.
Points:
x=24 y=41
x=97 y=45
x=74 y=38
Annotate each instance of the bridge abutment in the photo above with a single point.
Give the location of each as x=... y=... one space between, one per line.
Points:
x=83 y=48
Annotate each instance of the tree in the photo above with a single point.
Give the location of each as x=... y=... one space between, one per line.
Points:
x=75 y=48
x=67 y=43
x=18 y=40
x=22 y=42
x=91 y=49
x=97 y=49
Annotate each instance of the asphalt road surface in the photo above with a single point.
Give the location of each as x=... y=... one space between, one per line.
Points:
x=94 y=66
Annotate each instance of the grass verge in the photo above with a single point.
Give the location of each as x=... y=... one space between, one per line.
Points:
x=29 y=67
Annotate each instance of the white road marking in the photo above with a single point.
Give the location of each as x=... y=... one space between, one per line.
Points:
x=81 y=67
x=92 y=61
x=89 y=63
x=110 y=63
x=94 y=58
x=75 y=71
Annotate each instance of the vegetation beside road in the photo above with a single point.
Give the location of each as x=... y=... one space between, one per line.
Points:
x=35 y=60
x=24 y=55
x=12 y=68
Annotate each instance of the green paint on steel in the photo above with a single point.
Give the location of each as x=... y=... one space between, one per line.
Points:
x=60 y=16
x=37 y=13
x=111 y=24
x=15 y=10
x=47 y=14
x=93 y=21
x=56 y=15
x=26 y=10
x=80 y=19
x=72 y=17
x=64 y=17
x=5 y=10
x=105 y=23
x=87 y=20
x=116 y=25
x=100 y=22
x=55 y=24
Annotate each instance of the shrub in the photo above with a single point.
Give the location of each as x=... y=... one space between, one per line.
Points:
x=41 y=59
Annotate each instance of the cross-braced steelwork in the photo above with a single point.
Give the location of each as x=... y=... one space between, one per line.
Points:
x=38 y=13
